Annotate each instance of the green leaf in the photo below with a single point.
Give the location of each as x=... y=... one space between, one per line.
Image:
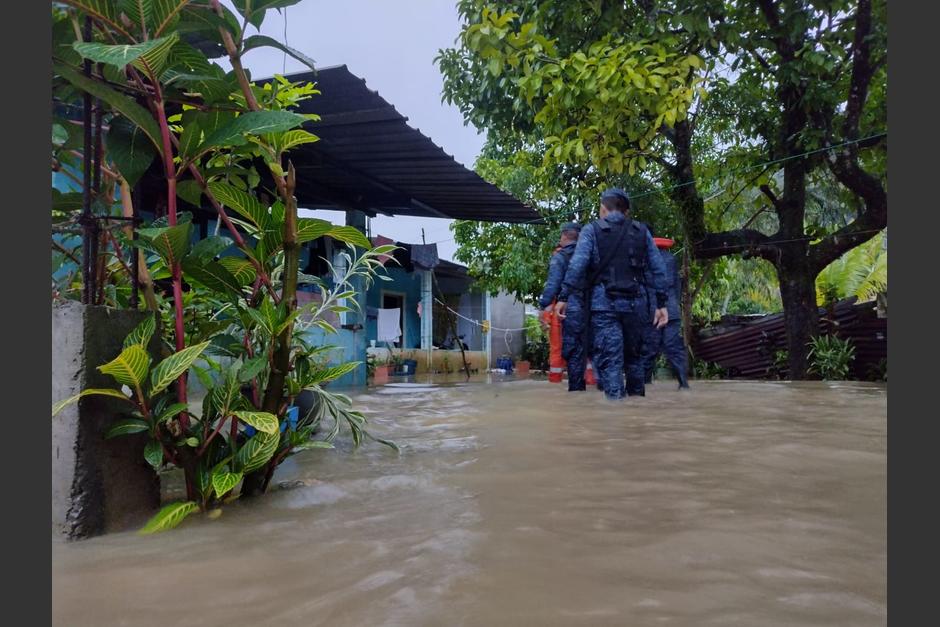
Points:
x=329 y=374
x=59 y=135
x=190 y=191
x=171 y=412
x=262 y=421
x=252 y=368
x=172 y=242
x=254 y=10
x=173 y=366
x=223 y=482
x=211 y=274
x=209 y=248
x=192 y=442
x=257 y=451
x=166 y=14
x=242 y=269
x=155 y=60
x=130 y=367
x=260 y=41
x=254 y=123
x=121 y=103
x=198 y=125
x=142 y=333
x=309 y=229
x=153 y=453
x=118 y=55
x=169 y=517
x=126 y=426
x=105 y=10
x=291 y=139
x=129 y=149
x=68 y=202
x=313 y=444
x=139 y=12
x=350 y=235
x=244 y=204
x=89 y=392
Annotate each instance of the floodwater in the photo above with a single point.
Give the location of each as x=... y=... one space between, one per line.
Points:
x=516 y=503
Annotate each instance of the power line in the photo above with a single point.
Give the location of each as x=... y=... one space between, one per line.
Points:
x=765 y=164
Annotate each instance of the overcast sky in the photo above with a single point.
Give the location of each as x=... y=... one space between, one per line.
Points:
x=392 y=46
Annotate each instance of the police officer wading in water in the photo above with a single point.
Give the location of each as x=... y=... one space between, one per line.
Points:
x=612 y=256
x=575 y=323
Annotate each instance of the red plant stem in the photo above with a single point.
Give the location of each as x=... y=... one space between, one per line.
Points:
x=215 y=432
x=177 y=270
x=117 y=253
x=233 y=433
x=239 y=241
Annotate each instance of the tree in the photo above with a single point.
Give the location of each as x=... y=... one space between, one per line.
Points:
x=637 y=87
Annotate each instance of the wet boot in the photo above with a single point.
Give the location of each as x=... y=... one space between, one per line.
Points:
x=683 y=381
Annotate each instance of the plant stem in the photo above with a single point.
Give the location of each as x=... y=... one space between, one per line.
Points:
x=176 y=269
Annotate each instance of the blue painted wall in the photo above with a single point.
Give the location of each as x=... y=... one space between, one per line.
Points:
x=405 y=283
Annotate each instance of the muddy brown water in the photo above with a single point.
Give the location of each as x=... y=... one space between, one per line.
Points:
x=517 y=503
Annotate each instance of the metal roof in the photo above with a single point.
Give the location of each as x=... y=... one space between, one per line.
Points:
x=368 y=158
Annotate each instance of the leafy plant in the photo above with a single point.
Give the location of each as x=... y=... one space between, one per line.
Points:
x=878 y=371
x=708 y=370
x=536 y=349
x=779 y=364
x=831 y=357
x=237 y=327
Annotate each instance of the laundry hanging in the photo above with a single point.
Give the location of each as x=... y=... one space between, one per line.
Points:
x=389 y=328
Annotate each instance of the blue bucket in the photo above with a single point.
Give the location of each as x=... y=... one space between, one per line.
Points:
x=504 y=363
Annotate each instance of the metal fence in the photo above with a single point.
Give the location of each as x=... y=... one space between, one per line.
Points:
x=745 y=346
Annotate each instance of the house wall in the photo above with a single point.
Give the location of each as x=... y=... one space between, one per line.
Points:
x=472 y=306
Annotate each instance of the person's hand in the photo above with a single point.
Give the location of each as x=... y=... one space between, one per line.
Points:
x=660 y=318
x=544 y=318
x=560 y=308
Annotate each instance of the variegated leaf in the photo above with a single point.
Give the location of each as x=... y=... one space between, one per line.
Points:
x=130 y=367
x=262 y=421
x=173 y=366
x=169 y=517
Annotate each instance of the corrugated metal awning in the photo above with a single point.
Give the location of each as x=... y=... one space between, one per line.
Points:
x=368 y=158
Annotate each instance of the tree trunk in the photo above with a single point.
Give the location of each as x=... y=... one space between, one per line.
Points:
x=798 y=294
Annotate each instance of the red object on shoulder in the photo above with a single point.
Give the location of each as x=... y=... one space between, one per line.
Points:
x=663 y=242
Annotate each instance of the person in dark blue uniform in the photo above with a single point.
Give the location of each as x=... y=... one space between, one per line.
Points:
x=573 y=326
x=611 y=260
x=667 y=339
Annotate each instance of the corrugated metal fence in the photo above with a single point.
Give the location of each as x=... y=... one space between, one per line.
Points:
x=745 y=345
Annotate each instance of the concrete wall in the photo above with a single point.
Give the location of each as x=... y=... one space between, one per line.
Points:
x=98 y=485
x=506 y=313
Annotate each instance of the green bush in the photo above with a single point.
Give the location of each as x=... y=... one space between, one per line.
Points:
x=831 y=357
x=536 y=349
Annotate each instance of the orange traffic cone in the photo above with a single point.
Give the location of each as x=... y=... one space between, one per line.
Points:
x=556 y=363
x=589 y=378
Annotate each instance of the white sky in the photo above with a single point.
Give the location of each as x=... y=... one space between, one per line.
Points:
x=392 y=46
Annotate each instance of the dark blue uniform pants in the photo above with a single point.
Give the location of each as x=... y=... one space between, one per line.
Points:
x=667 y=340
x=573 y=330
x=619 y=338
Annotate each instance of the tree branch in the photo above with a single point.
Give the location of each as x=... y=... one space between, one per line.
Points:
x=735 y=242
x=769 y=193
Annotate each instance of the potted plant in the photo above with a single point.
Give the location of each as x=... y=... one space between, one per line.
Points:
x=379 y=369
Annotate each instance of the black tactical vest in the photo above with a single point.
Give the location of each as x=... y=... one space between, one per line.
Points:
x=623 y=275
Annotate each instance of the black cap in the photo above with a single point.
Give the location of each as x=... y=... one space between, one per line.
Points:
x=571 y=226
